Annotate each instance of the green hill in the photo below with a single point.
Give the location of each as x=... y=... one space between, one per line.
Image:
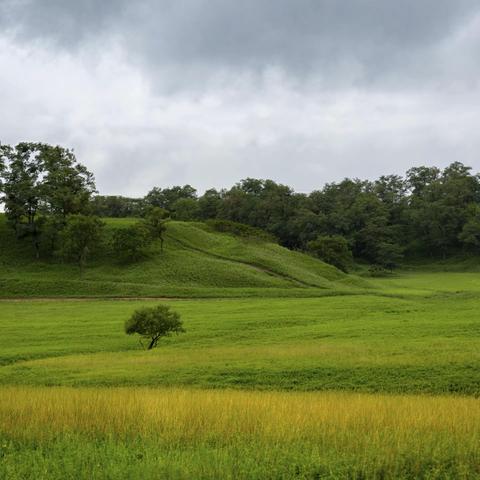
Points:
x=196 y=261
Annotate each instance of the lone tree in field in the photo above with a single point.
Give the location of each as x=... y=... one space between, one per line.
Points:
x=152 y=323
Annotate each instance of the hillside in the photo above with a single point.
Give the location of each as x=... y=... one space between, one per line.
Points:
x=196 y=261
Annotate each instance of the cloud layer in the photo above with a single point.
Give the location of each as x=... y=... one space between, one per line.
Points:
x=208 y=92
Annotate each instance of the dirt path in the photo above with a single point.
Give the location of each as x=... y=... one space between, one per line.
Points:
x=89 y=299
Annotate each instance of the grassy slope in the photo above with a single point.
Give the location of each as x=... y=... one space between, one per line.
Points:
x=195 y=262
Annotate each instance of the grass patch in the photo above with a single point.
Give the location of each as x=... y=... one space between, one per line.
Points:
x=140 y=433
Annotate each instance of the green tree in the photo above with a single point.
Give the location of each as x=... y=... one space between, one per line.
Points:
x=165 y=198
x=117 y=206
x=470 y=234
x=185 y=209
x=80 y=237
x=152 y=323
x=130 y=244
x=67 y=186
x=51 y=228
x=23 y=189
x=156 y=220
x=209 y=204
x=389 y=255
x=332 y=249
x=438 y=206
x=41 y=181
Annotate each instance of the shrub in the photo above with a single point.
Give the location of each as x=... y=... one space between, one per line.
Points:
x=152 y=323
x=332 y=249
x=81 y=236
x=129 y=244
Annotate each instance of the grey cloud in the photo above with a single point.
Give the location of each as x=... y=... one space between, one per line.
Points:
x=210 y=91
x=340 y=42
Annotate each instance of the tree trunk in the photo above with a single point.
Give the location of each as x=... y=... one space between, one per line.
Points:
x=152 y=343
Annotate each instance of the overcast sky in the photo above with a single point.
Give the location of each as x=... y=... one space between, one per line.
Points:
x=206 y=92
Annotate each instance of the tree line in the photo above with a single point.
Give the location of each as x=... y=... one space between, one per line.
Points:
x=428 y=212
x=49 y=201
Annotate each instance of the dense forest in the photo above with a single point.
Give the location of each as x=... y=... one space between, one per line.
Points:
x=50 y=199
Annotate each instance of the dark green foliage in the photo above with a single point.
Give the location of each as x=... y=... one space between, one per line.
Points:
x=42 y=181
x=165 y=198
x=185 y=209
x=470 y=234
x=67 y=185
x=117 y=206
x=50 y=227
x=209 y=204
x=81 y=236
x=332 y=249
x=378 y=271
x=155 y=220
x=129 y=244
x=429 y=212
x=389 y=255
x=152 y=323
x=240 y=229
x=440 y=205
x=22 y=188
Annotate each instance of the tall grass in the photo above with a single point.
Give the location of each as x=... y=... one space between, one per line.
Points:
x=307 y=435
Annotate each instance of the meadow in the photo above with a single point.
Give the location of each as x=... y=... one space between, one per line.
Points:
x=289 y=368
x=145 y=433
x=369 y=343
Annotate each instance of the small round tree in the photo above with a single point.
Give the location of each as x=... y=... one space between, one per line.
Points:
x=152 y=323
x=332 y=249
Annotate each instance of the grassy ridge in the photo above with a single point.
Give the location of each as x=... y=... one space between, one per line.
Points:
x=131 y=433
x=194 y=262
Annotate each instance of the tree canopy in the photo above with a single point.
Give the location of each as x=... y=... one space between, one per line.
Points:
x=153 y=323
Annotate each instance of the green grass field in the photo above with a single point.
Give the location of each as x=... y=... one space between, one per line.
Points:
x=289 y=368
x=361 y=342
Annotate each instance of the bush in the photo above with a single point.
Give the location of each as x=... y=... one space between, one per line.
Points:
x=81 y=236
x=130 y=244
x=152 y=323
x=378 y=271
x=332 y=249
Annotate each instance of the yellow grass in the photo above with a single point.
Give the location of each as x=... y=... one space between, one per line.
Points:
x=182 y=433
x=197 y=415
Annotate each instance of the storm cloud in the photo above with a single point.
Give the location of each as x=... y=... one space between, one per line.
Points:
x=208 y=92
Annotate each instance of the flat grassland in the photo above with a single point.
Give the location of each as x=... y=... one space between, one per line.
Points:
x=299 y=371
x=369 y=343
